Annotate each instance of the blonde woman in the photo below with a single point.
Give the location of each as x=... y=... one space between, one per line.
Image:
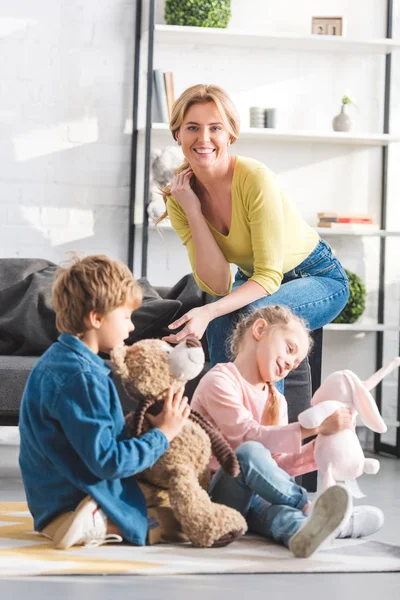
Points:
x=231 y=210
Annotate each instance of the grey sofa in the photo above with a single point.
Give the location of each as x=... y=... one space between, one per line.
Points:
x=27 y=327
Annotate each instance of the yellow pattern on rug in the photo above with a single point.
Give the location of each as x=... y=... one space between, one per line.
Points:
x=21 y=528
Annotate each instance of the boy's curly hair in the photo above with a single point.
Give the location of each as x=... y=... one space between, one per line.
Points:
x=94 y=283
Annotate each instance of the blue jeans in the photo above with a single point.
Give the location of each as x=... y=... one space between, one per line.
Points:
x=267 y=497
x=316 y=290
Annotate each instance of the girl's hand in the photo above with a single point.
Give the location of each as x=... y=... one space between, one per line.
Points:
x=341 y=419
x=174 y=414
x=196 y=321
x=181 y=190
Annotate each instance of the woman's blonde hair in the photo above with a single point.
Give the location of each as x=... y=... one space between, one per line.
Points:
x=94 y=283
x=275 y=316
x=200 y=94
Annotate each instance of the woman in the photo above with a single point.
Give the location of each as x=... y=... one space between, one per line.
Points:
x=230 y=210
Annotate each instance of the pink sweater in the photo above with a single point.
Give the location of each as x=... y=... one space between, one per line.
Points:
x=235 y=406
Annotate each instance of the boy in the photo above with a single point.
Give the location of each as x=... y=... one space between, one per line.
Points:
x=77 y=465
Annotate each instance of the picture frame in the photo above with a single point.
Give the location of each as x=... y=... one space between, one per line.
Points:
x=327 y=25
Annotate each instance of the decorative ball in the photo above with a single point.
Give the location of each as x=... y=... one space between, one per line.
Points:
x=356 y=303
x=198 y=13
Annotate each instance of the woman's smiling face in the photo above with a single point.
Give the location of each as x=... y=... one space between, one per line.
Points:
x=204 y=135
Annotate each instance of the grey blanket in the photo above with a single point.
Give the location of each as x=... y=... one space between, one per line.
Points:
x=27 y=320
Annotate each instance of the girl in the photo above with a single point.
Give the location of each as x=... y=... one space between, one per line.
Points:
x=241 y=400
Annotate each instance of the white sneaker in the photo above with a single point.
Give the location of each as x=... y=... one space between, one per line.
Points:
x=330 y=511
x=87 y=526
x=364 y=521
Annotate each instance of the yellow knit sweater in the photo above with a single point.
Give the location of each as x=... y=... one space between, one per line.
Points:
x=267 y=238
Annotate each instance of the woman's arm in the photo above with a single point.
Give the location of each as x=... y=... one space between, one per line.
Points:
x=207 y=260
x=197 y=319
x=263 y=204
x=210 y=264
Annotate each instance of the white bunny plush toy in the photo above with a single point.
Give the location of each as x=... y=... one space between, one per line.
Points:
x=339 y=456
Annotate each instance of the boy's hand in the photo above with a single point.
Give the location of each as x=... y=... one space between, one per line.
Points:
x=174 y=414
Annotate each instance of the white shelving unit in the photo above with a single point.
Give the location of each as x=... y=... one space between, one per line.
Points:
x=176 y=35
x=199 y=38
x=360 y=327
x=325 y=231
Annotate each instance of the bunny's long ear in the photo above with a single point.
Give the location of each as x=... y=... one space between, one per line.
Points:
x=373 y=381
x=365 y=404
x=335 y=387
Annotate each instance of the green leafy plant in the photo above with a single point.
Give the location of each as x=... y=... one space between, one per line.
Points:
x=347 y=98
x=356 y=303
x=198 y=13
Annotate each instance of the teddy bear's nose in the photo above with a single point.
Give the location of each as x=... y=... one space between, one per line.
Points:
x=192 y=342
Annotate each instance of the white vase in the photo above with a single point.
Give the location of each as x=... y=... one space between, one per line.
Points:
x=342 y=121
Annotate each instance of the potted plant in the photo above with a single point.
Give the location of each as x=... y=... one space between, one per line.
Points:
x=198 y=13
x=343 y=121
x=356 y=303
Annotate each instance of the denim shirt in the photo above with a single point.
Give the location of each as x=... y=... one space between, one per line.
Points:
x=73 y=441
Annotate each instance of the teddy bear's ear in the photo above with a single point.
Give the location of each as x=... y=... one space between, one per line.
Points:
x=118 y=356
x=365 y=404
x=155 y=153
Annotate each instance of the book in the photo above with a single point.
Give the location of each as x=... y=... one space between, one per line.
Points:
x=346 y=220
x=169 y=90
x=344 y=215
x=161 y=95
x=350 y=226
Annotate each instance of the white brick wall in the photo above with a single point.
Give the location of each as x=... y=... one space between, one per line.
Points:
x=65 y=92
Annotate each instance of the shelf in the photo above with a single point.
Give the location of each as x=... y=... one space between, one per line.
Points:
x=360 y=327
x=172 y=34
x=325 y=231
x=328 y=137
x=322 y=231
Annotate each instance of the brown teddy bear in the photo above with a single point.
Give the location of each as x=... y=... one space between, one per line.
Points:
x=179 y=479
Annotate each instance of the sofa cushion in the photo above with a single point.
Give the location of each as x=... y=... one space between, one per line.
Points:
x=27 y=320
x=14 y=371
x=153 y=315
x=188 y=293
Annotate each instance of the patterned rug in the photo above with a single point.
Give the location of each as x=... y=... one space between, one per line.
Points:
x=23 y=552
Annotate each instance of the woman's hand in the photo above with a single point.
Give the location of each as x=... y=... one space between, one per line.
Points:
x=196 y=321
x=181 y=190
